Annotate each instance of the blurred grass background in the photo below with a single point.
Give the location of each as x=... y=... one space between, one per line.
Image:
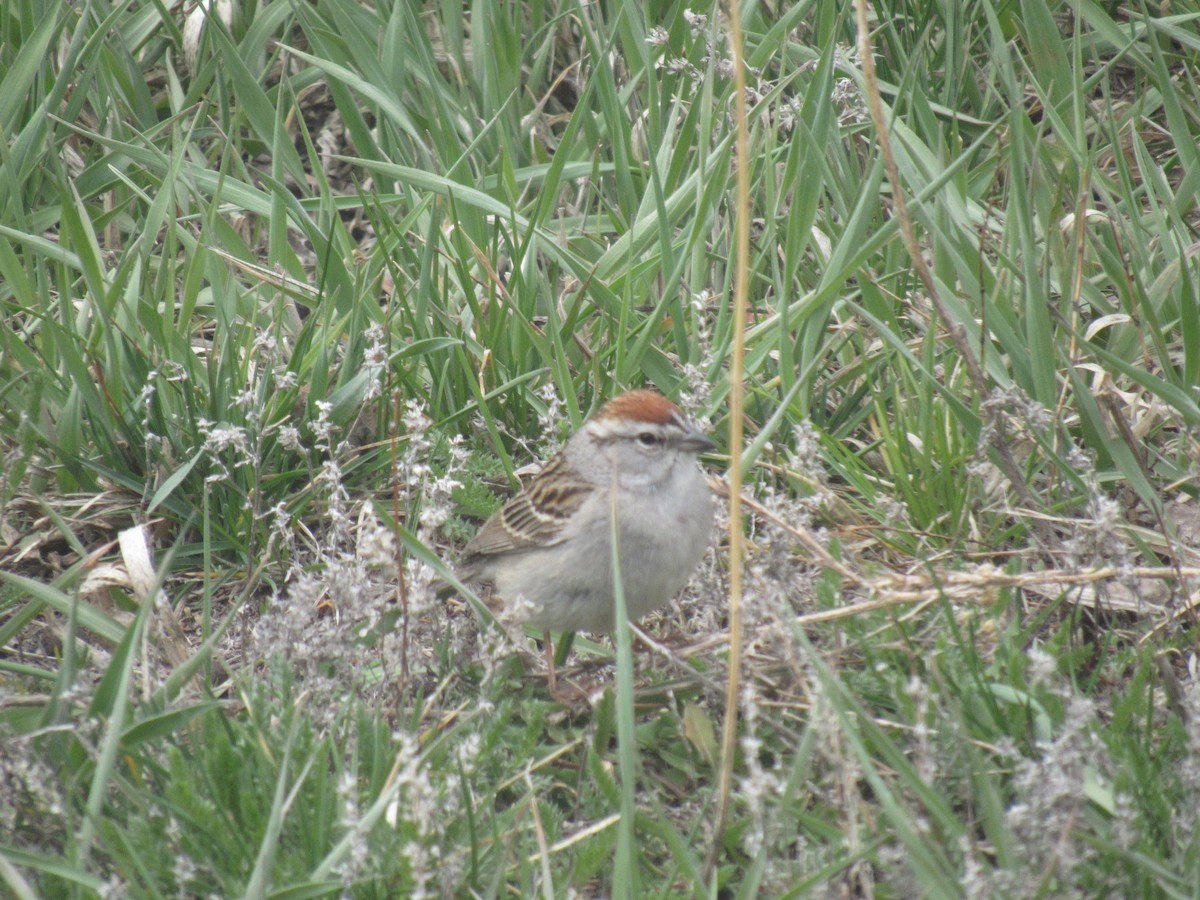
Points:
x=300 y=288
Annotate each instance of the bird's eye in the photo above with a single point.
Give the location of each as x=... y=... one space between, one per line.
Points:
x=648 y=438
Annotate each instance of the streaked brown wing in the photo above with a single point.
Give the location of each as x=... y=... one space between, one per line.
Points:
x=533 y=518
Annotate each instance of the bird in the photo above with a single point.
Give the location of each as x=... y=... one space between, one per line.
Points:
x=548 y=551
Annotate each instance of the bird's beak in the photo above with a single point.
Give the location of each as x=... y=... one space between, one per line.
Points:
x=695 y=441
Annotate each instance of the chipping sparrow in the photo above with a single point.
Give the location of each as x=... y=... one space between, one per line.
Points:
x=548 y=551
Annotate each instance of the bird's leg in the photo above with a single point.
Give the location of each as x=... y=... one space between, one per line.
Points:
x=549 y=648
